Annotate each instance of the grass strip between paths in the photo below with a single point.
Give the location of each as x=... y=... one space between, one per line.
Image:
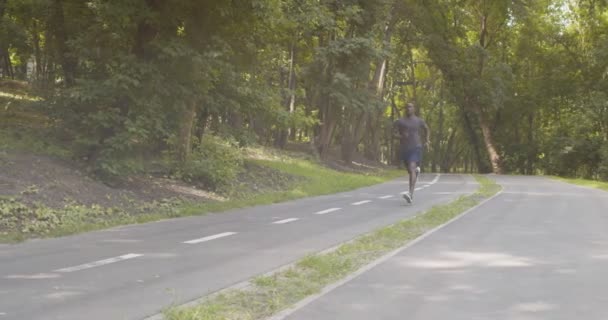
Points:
x=267 y=295
x=586 y=183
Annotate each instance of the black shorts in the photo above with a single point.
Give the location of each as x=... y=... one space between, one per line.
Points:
x=413 y=154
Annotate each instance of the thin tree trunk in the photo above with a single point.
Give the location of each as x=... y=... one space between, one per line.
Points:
x=292 y=88
x=184 y=143
x=531 y=145
x=290 y=99
x=38 y=73
x=437 y=156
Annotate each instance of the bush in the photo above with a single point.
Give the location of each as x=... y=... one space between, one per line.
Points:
x=214 y=163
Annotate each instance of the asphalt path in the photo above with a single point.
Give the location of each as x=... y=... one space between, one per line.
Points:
x=538 y=250
x=135 y=271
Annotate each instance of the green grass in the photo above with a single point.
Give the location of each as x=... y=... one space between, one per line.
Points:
x=584 y=182
x=72 y=219
x=318 y=180
x=270 y=294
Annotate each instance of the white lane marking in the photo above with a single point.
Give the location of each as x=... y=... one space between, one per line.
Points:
x=361 y=202
x=100 y=263
x=209 y=238
x=121 y=240
x=286 y=221
x=436 y=179
x=328 y=211
x=418 y=189
x=33 y=276
x=2 y=314
x=386 y=197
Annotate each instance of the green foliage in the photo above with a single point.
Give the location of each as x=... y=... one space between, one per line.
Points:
x=41 y=220
x=124 y=78
x=214 y=163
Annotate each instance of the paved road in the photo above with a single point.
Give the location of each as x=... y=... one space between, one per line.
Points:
x=134 y=271
x=539 y=250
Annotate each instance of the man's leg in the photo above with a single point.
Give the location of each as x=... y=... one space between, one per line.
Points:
x=413 y=175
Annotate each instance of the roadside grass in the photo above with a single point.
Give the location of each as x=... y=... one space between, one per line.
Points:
x=19 y=222
x=584 y=182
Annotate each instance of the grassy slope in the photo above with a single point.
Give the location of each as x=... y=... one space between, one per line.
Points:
x=317 y=180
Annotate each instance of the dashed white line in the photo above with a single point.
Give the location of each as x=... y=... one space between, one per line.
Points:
x=100 y=263
x=436 y=179
x=361 y=202
x=37 y=276
x=286 y=221
x=419 y=188
x=386 y=197
x=328 y=211
x=209 y=238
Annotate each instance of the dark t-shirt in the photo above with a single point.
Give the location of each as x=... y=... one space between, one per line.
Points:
x=409 y=129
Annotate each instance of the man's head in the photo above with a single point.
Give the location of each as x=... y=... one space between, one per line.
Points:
x=410 y=109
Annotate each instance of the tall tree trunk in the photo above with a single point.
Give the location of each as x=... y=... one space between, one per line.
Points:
x=38 y=72
x=292 y=88
x=203 y=120
x=351 y=136
x=531 y=145
x=5 y=61
x=488 y=139
x=235 y=119
x=372 y=148
x=481 y=164
x=449 y=156
x=7 y=67
x=68 y=60
x=484 y=123
x=290 y=99
x=146 y=32
x=328 y=115
x=184 y=143
x=326 y=130
x=437 y=155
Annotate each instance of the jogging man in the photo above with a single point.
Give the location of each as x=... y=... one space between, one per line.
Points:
x=410 y=145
